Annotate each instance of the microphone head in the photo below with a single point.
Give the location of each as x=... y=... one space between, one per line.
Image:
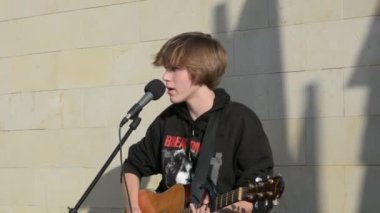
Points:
x=156 y=87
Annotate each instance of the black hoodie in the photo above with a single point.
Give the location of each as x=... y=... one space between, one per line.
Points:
x=173 y=141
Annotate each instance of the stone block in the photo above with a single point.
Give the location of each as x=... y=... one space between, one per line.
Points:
x=5 y=10
x=84 y=68
x=7 y=39
x=171 y=17
x=72 y=108
x=292 y=12
x=96 y=106
x=6 y=76
x=34 y=73
x=361 y=189
x=288 y=141
x=312 y=189
x=21 y=187
x=29 y=149
x=64 y=186
x=358 y=135
x=25 y=39
x=47 y=106
x=226 y=16
x=325 y=138
x=30 y=110
x=306 y=94
x=362 y=91
x=132 y=64
x=103 y=26
x=362 y=136
x=331 y=189
x=290 y=95
x=249 y=90
x=354 y=8
x=69 y=5
x=336 y=45
x=21 y=9
x=74 y=29
x=257 y=51
x=83 y=147
x=270 y=50
x=24 y=209
x=227 y=41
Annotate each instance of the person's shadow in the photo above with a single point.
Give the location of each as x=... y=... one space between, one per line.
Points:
x=254 y=78
x=367 y=75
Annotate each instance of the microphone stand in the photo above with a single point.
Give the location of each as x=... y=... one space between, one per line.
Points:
x=135 y=123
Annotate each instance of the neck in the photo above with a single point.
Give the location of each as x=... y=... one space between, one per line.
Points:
x=201 y=102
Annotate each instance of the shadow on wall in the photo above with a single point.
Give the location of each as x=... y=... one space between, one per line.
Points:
x=107 y=196
x=268 y=52
x=367 y=75
x=301 y=181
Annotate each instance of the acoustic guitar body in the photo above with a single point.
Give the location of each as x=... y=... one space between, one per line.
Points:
x=171 y=201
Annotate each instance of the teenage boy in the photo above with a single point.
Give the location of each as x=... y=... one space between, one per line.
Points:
x=194 y=63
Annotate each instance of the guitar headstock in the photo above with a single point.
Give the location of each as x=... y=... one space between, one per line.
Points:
x=270 y=189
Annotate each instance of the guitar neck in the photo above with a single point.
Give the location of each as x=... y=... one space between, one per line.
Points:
x=228 y=198
x=225 y=199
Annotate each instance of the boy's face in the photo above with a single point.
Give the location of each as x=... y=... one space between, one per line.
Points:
x=179 y=85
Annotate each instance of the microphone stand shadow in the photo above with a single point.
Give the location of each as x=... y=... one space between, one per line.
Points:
x=135 y=123
x=107 y=195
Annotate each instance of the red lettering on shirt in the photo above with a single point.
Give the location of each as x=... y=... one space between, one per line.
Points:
x=194 y=146
x=175 y=142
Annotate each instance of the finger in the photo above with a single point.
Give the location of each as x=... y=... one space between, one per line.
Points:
x=192 y=208
x=206 y=198
x=205 y=208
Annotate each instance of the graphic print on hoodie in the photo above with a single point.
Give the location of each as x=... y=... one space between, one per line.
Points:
x=178 y=157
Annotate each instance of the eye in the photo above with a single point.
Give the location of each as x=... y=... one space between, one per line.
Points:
x=172 y=68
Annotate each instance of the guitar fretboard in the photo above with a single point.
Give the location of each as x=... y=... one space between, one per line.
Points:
x=229 y=198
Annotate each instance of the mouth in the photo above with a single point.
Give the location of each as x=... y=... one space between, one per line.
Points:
x=169 y=89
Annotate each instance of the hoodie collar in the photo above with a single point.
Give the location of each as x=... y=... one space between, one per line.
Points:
x=220 y=100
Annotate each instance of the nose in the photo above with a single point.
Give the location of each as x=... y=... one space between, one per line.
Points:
x=166 y=76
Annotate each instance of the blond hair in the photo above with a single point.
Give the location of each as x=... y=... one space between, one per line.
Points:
x=204 y=57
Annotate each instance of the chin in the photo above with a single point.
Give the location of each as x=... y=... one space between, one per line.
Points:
x=176 y=100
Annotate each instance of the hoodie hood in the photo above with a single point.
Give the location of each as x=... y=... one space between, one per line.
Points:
x=220 y=100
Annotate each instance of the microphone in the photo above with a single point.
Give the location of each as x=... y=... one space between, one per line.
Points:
x=153 y=91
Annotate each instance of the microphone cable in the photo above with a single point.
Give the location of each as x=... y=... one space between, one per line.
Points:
x=153 y=91
x=123 y=178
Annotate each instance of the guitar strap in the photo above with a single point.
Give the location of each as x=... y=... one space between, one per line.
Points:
x=203 y=165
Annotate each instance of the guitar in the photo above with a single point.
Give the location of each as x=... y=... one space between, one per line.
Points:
x=173 y=199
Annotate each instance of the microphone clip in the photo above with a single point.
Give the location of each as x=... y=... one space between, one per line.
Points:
x=136 y=109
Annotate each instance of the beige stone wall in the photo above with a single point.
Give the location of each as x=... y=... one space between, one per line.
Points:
x=69 y=70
